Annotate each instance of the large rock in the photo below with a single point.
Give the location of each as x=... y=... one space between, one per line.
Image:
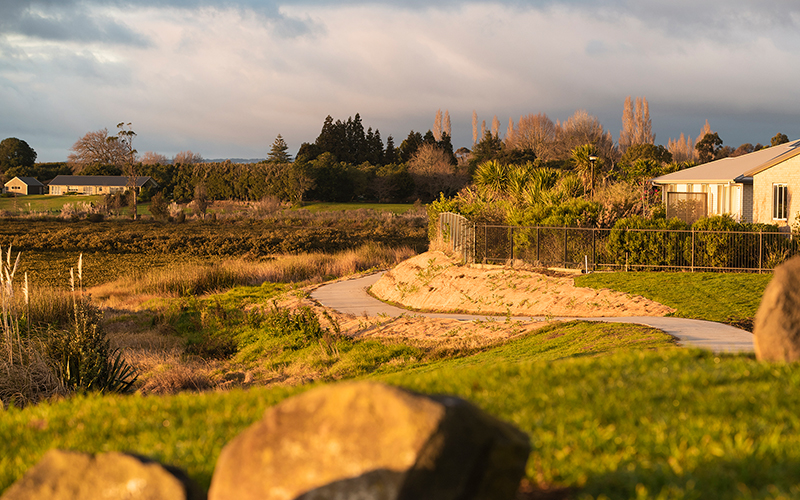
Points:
x=371 y=441
x=777 y=326
x=67 y=475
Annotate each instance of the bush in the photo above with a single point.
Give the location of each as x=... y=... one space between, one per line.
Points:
x=652 y=244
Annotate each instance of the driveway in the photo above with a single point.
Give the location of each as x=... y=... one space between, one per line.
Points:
x=351 y=297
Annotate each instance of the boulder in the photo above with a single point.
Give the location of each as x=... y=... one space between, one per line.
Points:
x=776 y=331
x=68 y=475
x=364 y=440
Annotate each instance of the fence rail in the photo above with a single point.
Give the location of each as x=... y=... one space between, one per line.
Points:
x=630 y=249
x=635 y=249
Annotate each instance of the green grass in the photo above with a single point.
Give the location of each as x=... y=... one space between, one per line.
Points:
x=720 y=297
x=397 y=208
x=43 y=202
x=670 y=423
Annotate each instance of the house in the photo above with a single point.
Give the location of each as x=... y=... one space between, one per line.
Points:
x=763 y=186
x=96 y=184
x=24 y=185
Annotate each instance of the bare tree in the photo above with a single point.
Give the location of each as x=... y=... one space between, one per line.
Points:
x=187 y=158
x=446 y=125
x=510 y=131
x=581 y=129
x=495 y=127
x=483 y=128
x=124 y=139
x=153 y=158
x=536 y=133
x=433 y=173
x=437 y=125
x=474 y=128
x=637 y=127
x=682 y=149
x=95 y=148
x=705 y=131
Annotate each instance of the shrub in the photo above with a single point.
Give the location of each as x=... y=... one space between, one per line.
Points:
x=652 y=244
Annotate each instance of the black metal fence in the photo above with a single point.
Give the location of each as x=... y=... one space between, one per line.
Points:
x=634 y=249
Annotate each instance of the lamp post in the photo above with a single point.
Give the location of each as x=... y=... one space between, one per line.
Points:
x=592 y=159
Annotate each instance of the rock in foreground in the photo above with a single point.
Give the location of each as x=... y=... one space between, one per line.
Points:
x=67 y=475
x=776 y=330
x=371 y=441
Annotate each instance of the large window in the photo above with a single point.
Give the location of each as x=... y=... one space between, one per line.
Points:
x=780 y=201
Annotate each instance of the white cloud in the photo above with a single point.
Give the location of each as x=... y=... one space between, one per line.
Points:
x=225 y=81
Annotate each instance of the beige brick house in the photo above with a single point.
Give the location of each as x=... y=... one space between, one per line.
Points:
x=763 y=186
x=23 y=186
x=95 y=184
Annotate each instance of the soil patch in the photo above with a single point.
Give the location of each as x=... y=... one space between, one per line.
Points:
x=433 y=281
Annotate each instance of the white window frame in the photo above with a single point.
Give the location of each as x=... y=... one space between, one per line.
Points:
x=780 y=201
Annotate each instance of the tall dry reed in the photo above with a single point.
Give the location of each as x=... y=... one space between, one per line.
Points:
x=26 y=374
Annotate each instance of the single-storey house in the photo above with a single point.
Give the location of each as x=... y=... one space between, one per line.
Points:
x=96 y=184
x=24 y=185
x=762 y=186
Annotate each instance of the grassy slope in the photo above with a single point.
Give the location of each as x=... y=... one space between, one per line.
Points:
x=711 y=296
x=174 y=429
x=673 y=421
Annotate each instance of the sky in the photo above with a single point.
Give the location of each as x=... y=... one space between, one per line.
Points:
x=224 y=77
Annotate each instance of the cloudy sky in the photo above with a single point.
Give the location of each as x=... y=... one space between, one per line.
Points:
x=224 y=77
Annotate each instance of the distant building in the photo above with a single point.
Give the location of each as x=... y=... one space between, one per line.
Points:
x=96 y=184
x=24 y=185
x=763 y=186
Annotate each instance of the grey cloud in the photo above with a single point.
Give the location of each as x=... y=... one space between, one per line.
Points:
x=63 y=21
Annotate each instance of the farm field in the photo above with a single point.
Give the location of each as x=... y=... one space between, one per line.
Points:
x=613 y=411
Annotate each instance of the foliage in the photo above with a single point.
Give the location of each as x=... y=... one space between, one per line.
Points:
x=708 y=147
x=40 y=171
x=649 y=245
x=779 y=139
x=278 y=151
x=159 y=207
x=15 y=153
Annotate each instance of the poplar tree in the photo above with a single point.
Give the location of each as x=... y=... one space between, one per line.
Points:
x=474 y=128
x=437 y=125
x=446 y=125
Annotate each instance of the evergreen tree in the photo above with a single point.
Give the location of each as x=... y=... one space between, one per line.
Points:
x=390 y=155
x=410 y=146
x=278 y=151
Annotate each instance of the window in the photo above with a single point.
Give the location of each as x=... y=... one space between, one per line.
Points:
x=780 y=201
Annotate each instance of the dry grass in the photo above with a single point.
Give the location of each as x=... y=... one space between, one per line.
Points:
x=198 y=279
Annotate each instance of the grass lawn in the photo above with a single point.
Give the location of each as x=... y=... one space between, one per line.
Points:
x=397 y=208
x=53 y=204
x=43 y=203
x=668 y=423
x=723 y=297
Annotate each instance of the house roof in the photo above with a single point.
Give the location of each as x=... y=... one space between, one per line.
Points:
x=30 y=181
x=738 y=169
x=98 y=180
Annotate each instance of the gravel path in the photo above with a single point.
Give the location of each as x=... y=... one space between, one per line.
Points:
x=351 y=297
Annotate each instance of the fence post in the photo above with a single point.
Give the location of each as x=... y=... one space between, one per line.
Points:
x=760 y=247
x=538 y=244
x=565 y=246
x=692 y=249
x=512 y=244
x=594 y=252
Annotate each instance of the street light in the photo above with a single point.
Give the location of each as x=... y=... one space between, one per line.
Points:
x=592 y=159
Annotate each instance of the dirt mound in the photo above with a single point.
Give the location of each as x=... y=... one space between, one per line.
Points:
x=435 y=282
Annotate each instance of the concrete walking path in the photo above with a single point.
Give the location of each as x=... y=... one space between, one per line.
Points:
x=351 y=297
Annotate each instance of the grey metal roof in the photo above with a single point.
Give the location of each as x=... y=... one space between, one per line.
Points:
x=729 y=169
x=98 y=180
x=30 y=181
